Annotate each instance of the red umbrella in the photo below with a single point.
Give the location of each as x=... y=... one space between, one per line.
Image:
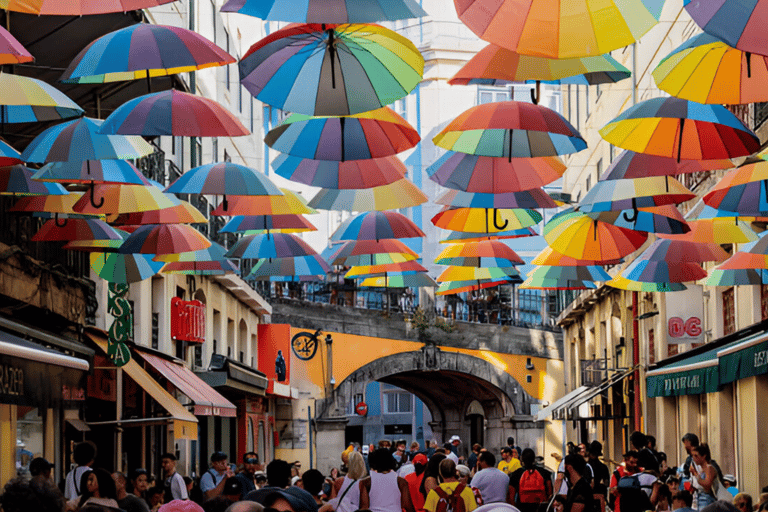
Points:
x=8 y=155
x=360 y=252
x=78 y=8
x=76 y=229
x=164 y=239
x=11 y=51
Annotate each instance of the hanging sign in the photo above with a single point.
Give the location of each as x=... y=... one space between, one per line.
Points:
x=685 y=312
x=121 y=329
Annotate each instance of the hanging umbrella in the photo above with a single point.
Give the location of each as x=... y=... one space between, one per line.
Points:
x=8 y=155
x=706 y=70
x=754 y=259
x=418 y=280
x=719 y=231
x=679 y=251
x=91 y=171
x=454 y=273
x=320 y=11
x=200 y=268
x=736 y=277
x=360 y=253
x=143 y=51
x=60 y=205
x=559 y=29
x=510 y=129
x=173 y=113
x=460 y=237
x=310 y=265
x=456 y=287
x=578 y=236
x=573 y=273
x=488 y=253
x=17 y=180
x=707 y=212
x=405 y=268
x=681 y=129
x=485 y=220
x=740 y=24
x=78 y=8
x=656 y=219
x=354 y=174
x=11 y=51
x=376 y=226
x=103 y=245
x=623 y=283
x=535 y=282
x=550 y=257
x=76 y=229
x=649 y=271
x=375 y=134
x=526 y=199
x=117 y=198
x=124 y=268
x=28 y=100
x=164 y=239
x=400 y=194
x=273 y=245
x=489 y=175
x=183 y=213
x=634 y=193
x=256 y=224
x=289 y=203
x=743 y=190
x=631 y=165
x=331 y=70
x=214 y=252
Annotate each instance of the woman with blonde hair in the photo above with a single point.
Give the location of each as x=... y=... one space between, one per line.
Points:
x=348 y=496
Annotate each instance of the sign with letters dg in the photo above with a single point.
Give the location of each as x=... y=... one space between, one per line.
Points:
x=685 y=314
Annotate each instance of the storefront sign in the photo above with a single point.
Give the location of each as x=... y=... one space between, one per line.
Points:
x=685 y=310
x=187 y=320
x=27 y=382
x=747 y=359
x=121 y=329
x=361 y=409
x=11 y=380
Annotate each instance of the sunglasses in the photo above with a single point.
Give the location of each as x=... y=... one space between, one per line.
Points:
x=251 y=461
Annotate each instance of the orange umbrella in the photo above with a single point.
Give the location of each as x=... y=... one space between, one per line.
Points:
x=551 y=258
x=721 y=230
x=290 y=202
x=183 y=213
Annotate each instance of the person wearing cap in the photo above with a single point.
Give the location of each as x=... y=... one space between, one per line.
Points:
x=247 y=476
x=728 y=480
x=455 y=442
x=212 y=481
x=600 y=472
x=233 y=489
x=40 y=468
x=292 y=499
x=175 y=488
x=414 y=480
x=492 y=482
x=508 y=463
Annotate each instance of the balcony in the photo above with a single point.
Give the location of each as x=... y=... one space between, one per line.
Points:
x=593 y=371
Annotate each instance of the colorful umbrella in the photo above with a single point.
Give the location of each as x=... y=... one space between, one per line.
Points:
x=289 y=203
x=310 y=265
x=623 y=283
x=719 y=231
x=320 y=11
x=631 y=165
x=510 y=129
x=461 y=237
x=400 y=194
x=681 y=129
x=679 y=251
x=648 y=271
x=485 y=220
x=526 y=199
x=549 y=257
x=537 y=283
x=91 y=171
x=635 y=193
x=173 y=113
x=289 y=223
x=559 y=29
x=164 y=239
x=455 y=287
x=741 y=24
x=200 y=268
x=17 y=180
x=489 y=175
x=143 y=51
x=743 y=190
x=736 y=277
x=183 y=213
x=274 y=245
x=124 y=268
x=657 y=219
x=55 y=204
x=98 y=245
x=376 y=226
x=572 y=273
x=706 y=70
x=488 y=253
x=418 y=280
x=116 y=198
x=28 y=100
x=11 y=51
x=355 y=174
x=359 y=253
x=78 y=8
x=8 y=155
x=374 y=134
x=214 y=252
x=76 y=229
x=576 y=235
x=331 y=70
x=474 y=273
x=408 y=267
x=756 y=258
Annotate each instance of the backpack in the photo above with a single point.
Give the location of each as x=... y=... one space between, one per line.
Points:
x=450 y=502
x=532 y=487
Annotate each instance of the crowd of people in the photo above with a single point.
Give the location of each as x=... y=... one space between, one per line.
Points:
x=397 y=477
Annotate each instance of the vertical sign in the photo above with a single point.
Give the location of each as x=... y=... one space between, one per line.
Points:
x=121 y=329
x=685 y=316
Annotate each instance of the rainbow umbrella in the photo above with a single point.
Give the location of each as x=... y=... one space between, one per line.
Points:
x=736 y=277
x=310 y=265
x=116 y=198
x=535 y=282
x=418 y=280
x=354 y=174
x=484 y=174
x=635 y=193
x=376 y=226
x=183 y=213
x=28 y=100
x=124 y=268
x=214 y=252
x=683 y=251
x=143 y=51
x=741 y=24
x=173 y=113
x=719 y=231
x=360 y=253
x=78 y=8
x=573 y=273
x=526 y=199
x=510 y=129
x=60 y=205
x=648 y=271
x=376 y=134
x=623 y=283
x=576 y=235
x=559 y=29
x=76 y=229
x=631 y=165
x=743 y=190
x=681 y=129
x=485 y=220
x=706 y=70
x=657 y=219
x=400 y=194
x=91 y=171
x=256 y=224
x=456 y=287
x=331 y=70
x=459 y=237
x=8 y=155
x=164 y=239
x=549 y=257
x=754 y=259
x=17 y=180
x=98 y=245
x=289 y=203
x=319 y=11
x=488 y=253
x=707 y=212
x=454 y=273
x=405 y=268
x=272 y=245
x=200 y=268
x=11 y=51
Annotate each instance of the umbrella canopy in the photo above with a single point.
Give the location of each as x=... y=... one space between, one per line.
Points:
x=743 y=190
x=526 y=199
x=635 y=193
x=417 y=280
x=549 y=257
x=28 y=100
x=680 y=251
x=289 y=203
x=224 y=178
x=460 y=237
x=17 y=180
x=361 y=252
x=510 y=129
x=78 y=8
x=116 y=198
x=454 y=273
x=164 y=239
x=81 y=140
x=455 y=287
x=8 y=155
x=572 y=273
x=76 y=229
x=400 y=194
x=736 y=277
x=489 y=175
x=143 y=51
x=485 y=220
x=320 y=11
x=200 y=268
x=648 y=271
x=408 y=267
x=183 y=213
x=331 y=70
x=559 y=29
x=173 y=113
x=310 y=265
x=124 y=268
x=213 y=252
x=631 y=165
x=706 y=70
x=11 y=51
x=623 y=283
x=578 y=236
x=755 y=258
x=534 y=282
x=488 y=253
x=657 y=219
x=355 y=174
x=111 y=246
x=55 y=204
x=274 y=245
x=290 y=223
x=377 y=226
x=741 y=24
x=91 y=171
x=497 y=66
x=719 y=231
x=681 y=129
x=373 y=134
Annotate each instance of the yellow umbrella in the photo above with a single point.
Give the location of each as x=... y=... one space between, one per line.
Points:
x=623 y=283
x=485 y=220
x=576 y=235
x=289 y=202
x=400 y=194
x=119 y=198
x=454 y=273
x=720 y=230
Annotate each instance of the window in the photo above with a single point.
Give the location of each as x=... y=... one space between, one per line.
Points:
x=589 y=183
x=155 y=330
x=226 y=38
x=651 y=347
x=397 y=403
x=198 y=356
x=215 y=149
x=586 y=89
x=240 y=99
x=493 y=94
x=401 y=108
x=729 y=312
x=599 y=168
x=612 y=152
x=764 y=302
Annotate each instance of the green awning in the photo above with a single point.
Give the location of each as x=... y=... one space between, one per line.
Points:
x=691 y=376
x=747 y=358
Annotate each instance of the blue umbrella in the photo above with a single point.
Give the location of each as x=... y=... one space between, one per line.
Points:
x=91 y=171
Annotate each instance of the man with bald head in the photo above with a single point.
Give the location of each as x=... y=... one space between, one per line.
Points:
x=245 y=506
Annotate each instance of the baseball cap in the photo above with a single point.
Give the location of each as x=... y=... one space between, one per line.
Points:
x=232 y=487
x=454 y=438
x=299 y=499
x=39 y=465
x=462 y=469
x=420 y=459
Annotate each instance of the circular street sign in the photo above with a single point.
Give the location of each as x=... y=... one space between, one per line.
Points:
x=304 y=345
x=361 y=409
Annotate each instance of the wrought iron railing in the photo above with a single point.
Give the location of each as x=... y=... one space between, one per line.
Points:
x=593 y=371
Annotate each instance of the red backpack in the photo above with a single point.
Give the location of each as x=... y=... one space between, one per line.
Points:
x=450 y=502
x=532 y=487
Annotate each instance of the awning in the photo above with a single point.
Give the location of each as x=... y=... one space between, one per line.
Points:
x=226 y=374
x=605 y=384
x=690 y=376
x=208 y=401
x=184 y=422
x=743 y=359
x=560 y=403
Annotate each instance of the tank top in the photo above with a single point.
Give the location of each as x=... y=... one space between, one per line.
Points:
x=347 y=500
x=385 y=494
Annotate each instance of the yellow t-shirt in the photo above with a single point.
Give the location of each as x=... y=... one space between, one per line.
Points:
x=510 y=467
x=430 y=504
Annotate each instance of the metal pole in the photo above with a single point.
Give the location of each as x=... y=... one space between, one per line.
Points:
x=635 y=362
x=309 y=428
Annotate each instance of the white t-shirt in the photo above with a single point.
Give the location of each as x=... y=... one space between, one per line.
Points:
x=178 y=487
x=72 y=482
x=493 y=485
x=453 y=457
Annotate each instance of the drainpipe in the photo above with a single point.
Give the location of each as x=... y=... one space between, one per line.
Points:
x=635 y=362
